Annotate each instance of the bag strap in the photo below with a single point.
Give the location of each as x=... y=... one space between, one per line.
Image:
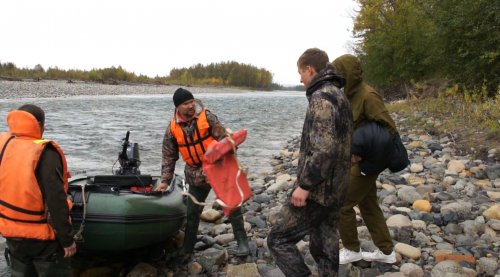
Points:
x=3 y=149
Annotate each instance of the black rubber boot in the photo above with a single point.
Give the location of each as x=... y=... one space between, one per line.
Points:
x=193 y=221
x=240 y=235
x=193 y=218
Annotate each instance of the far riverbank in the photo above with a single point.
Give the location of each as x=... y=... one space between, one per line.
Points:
x=62 y=88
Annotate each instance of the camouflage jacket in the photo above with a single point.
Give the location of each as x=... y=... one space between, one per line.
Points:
x=325 y=147
x=170 y=150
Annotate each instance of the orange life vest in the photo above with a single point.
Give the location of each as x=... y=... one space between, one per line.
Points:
x=225 y=174
x=193 y=146
x=22 y=210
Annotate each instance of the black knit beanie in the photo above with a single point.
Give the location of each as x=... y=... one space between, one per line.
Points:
x=182 y=95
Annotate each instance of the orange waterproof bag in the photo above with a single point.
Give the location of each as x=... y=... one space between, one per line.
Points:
x=225 y=175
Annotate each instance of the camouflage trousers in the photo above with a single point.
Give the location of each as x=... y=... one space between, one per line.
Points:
x=294 y=223
x=37 y=258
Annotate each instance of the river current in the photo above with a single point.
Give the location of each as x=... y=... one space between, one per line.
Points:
x=90 y=127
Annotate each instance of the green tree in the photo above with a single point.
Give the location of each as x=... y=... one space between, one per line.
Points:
x=407 y=41
x=469 y=40
x=396 y=39
x=224 y=73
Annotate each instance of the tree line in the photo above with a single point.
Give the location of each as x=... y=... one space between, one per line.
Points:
x=403 y=42
x=111 y=74
x=215 y=74
x=223 y=74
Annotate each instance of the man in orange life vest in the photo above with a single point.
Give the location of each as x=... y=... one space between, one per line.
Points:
x=34 y=209
x=190 y=132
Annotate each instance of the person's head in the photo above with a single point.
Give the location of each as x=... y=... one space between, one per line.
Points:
x=184 y=103
x=349 y=67
x=312 y=61
x=37 y=112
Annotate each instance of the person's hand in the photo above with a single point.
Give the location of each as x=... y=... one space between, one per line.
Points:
x=355 y=159
x=162 y=187
x=70 y=251
x=299 y=197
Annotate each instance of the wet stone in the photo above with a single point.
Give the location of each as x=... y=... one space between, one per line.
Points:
x=211 y=257
x=438 y=220
x=262 y=198
x=397 y=180
x=201 y=246
x=437 y=238
x=487 y=266
x=493 y=171
x=254 y=207
x=436 y=208
x=481 y=199
x=434 y=147
x=448 y=217
x=422 y=239
x=415 y=215
x=257 y=221
x=444 y=196
x=427 y=217
x=453 y=228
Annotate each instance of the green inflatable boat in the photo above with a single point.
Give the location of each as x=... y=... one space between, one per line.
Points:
x=123 y=212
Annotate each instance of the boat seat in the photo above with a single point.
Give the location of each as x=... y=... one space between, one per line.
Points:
x=123 y=180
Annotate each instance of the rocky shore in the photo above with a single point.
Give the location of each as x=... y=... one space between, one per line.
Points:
x=443 y=213
x=61 y=88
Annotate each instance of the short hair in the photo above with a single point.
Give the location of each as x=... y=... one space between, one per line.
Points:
x=314 y=57
x=36 y=111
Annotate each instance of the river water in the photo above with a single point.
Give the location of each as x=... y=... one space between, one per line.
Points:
x=90 y=128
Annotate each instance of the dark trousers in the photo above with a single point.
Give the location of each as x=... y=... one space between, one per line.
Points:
x=193 y=215
x=37 y=258
x=294 y=224
x=362 y=191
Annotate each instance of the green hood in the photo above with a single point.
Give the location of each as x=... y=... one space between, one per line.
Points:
x=350 y=68
x=367 y=105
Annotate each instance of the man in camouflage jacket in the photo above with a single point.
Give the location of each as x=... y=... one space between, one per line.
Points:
x=187 y=118
x=323 y=173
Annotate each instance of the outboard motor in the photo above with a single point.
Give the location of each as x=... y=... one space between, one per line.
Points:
x=129 y=158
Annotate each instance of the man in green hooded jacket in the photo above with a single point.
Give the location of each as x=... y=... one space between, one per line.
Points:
x=367 y=105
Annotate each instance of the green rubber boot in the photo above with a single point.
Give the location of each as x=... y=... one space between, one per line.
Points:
x=240 y=235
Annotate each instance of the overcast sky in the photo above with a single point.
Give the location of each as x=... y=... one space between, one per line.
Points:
x=152 y=37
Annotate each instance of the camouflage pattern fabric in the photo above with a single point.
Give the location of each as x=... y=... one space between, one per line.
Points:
x=323 y=170
x=294 y=223
x=170 y=151
x=325 y=146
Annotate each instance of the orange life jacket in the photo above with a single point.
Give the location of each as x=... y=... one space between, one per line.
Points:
x=193 y=146
x=224 y=173
x=23 y=213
